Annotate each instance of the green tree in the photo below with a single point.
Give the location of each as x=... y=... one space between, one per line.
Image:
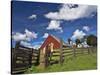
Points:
x=69 y=40
x=77 y=41
x=84 y=39
x=92 y=40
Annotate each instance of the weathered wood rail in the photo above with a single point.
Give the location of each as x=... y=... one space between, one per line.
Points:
x=59 y=55
x=23 y=58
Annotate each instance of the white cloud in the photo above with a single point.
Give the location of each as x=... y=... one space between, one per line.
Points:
x=26 y=44
x=78 y=34
x=55 y=25
x=33 y=16
x=30 y=34
x=86 y=28
x=29 y=45
x=36 y=46
x=19 y=36
x=45 y=35
x=72 y=12
x=27 y=36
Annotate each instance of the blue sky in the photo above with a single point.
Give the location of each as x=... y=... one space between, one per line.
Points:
x=32 y=22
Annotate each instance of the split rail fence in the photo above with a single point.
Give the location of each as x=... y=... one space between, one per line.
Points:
x=59 y=55
x=23 y=58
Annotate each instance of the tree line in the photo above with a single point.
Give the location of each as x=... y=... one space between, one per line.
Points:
x=91 y=40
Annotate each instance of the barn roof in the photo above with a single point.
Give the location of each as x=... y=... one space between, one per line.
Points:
x=59 y=40
x=54 y=37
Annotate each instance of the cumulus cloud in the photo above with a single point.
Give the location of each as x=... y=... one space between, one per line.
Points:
x=33 y=16
x=72 y=12
x=45 y=35
x=27 y=36
x=26 y=44
x=30 y=34
x=19 y=36
x=78 y=34
x=54 y=25
x=86 y=28
x=36 y=46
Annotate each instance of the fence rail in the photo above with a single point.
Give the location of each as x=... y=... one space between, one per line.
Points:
x=23 y=58
x=75 y=51
x=60 y=54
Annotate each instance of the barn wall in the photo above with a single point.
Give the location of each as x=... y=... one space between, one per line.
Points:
x=49 y=40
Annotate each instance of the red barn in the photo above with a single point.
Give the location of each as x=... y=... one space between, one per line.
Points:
x=52 y=39
x=53 y=42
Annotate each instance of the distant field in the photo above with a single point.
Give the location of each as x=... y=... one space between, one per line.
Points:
x=81 y=62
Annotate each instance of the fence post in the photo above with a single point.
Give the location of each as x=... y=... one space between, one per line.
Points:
x=42 y=59
x=14 y=57
x=74 y=52
x=82 y=51
x=14 y=54
x=88 y=50
x=47 y=57
x=38 y=57
x=61 y=52
x=30 y=57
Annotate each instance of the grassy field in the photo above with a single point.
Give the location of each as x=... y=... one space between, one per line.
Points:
x=81 y=62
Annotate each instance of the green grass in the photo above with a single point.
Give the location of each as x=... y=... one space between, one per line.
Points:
x=81 y=62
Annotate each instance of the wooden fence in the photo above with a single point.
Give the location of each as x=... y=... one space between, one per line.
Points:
x=23 y=58
x=59 y=55
x=73 y=52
